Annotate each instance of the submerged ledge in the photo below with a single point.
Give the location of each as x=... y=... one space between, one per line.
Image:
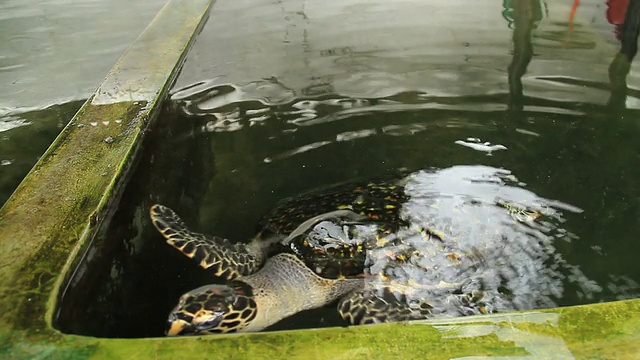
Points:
x=74 y=188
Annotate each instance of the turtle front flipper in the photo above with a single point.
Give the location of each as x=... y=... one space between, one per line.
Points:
x=225 y=259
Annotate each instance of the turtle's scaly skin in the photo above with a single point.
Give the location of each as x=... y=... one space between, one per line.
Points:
x=361 y=308
x=520 y=213
x=283 y=287
x=385 y=305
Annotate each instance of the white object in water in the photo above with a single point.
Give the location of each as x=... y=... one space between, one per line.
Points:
x=486 y=147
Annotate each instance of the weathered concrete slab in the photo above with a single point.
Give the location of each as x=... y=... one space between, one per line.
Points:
x=67 y=195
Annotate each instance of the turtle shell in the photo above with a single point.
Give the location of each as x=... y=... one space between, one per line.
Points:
x=335 y=246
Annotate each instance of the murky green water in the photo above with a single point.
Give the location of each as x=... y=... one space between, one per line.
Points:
x=497 y=104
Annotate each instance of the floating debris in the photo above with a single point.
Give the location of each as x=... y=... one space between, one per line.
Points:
x=485 y=147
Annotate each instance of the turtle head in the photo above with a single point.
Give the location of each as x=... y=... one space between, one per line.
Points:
x=213 y=309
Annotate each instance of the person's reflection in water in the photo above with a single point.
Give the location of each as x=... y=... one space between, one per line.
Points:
x=625 y=15
x=523 y=24
x=616 y=10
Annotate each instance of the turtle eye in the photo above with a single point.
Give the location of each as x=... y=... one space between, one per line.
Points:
x=213 y=320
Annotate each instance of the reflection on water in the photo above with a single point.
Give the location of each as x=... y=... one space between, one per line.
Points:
x=309 y=94
x=496 y=237
x=446 y=48
x=56 y=51
x=26 y=136
x=537 y=346
x=53 y=55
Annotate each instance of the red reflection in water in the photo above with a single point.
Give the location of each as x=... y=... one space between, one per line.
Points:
x=616 y=10
x=574 y=8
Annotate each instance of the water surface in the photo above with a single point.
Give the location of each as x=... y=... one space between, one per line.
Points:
x=55 y=54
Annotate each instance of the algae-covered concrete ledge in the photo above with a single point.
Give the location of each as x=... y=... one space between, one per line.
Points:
x=74 y=188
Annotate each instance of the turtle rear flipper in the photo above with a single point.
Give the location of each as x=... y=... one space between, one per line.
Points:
x=369 y=307
x=372 y=307
x=225 y=259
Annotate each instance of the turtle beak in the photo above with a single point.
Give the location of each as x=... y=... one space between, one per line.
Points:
x=178 y=327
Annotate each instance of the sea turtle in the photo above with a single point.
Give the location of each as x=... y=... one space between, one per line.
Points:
x=353 y=243
x=458 y=241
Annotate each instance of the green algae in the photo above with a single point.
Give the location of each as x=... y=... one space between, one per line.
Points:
x=54 y=213
x=599 y=331
x=59 y=196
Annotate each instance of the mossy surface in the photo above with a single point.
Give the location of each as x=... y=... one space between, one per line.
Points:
x=599 y=331
x=52 y=216
x=62 y=199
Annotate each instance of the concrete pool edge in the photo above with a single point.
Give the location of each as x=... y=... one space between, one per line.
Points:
x=598 y=331
x=54 y=213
